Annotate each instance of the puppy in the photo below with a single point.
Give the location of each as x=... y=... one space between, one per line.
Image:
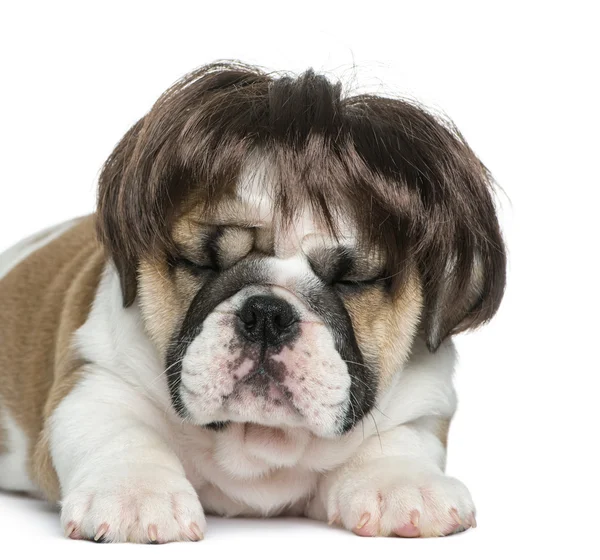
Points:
x=257 y=319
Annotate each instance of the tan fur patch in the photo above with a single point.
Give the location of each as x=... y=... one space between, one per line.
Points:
x=43 y=300
x=164 y=295
x=163 y=300
x=385 y=328
x=442 y=431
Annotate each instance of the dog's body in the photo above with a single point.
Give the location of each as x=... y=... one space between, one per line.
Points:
x=243 y=369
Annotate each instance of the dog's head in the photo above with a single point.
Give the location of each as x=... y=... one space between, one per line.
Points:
x=287 y=243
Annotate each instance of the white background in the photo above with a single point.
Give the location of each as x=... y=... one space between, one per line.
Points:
x=518 y=78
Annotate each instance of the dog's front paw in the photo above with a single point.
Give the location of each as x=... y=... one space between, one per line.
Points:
x=142 y=504
x=390 y=497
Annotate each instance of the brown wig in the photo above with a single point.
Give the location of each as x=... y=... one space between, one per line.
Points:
x=408 y=178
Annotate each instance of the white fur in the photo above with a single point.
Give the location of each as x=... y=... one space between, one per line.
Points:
x=111 y=439
x=13 y=463
x=121 y=452
x=380 y=496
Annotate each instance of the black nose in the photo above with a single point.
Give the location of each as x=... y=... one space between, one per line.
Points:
x=268 y=320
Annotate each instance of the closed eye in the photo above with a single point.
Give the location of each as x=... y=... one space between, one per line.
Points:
x=358 y=282
x=194 y=267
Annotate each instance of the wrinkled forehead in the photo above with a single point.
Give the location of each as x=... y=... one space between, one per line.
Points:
x=253 y=203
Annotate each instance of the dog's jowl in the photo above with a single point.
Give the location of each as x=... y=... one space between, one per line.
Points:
x=257 y=319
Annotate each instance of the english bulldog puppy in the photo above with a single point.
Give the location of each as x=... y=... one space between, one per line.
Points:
x=256 y=321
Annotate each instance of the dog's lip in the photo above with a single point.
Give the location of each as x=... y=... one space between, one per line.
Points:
x=271 y=390
x=271 y=393
x=260 y=377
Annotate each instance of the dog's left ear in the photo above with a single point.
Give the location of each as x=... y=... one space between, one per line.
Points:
x=463 y=263
x=114 y=219
x=454 y=304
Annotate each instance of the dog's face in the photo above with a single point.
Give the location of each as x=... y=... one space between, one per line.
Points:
x=285 y=252
x=275 y=324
